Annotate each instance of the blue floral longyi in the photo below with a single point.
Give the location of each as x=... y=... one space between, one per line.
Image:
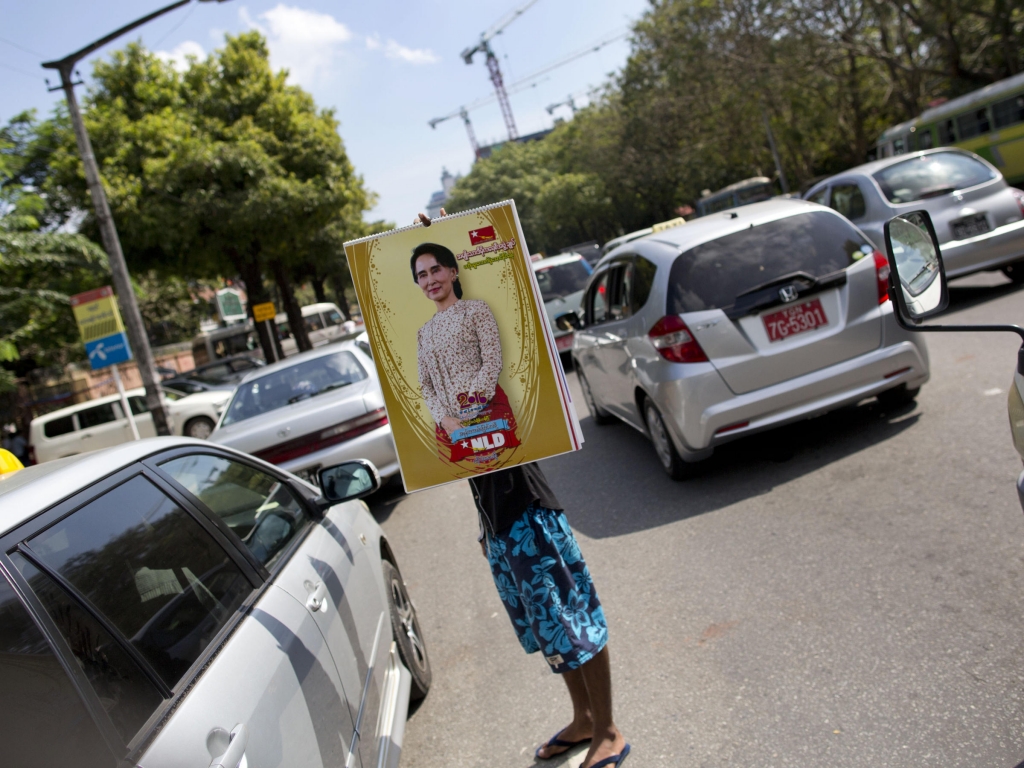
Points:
x=546 y=588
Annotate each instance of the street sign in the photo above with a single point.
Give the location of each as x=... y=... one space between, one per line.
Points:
x=109 y=350
x=106 y=343
x=262 y=312
x=99 y=321
x=229 y=304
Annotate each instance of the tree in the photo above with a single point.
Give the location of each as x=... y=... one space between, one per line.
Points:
x=223 y=169
x=39 y=270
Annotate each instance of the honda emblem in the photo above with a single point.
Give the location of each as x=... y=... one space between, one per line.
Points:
x=788 y=293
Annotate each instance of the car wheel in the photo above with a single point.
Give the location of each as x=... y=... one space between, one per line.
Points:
x=1015 y=271
x=408 y=635
x=200 y=427
x=897 y=397
x=599 y=415
x=673 y=465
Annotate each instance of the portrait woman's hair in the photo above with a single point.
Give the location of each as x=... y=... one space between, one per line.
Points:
x=444 y=257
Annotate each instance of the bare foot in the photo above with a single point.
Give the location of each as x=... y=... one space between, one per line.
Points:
x=604 y=746
x=572 y=732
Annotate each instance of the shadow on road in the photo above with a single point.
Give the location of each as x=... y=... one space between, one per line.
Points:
x=616 y=486
x=973 y=290
x=383 y=502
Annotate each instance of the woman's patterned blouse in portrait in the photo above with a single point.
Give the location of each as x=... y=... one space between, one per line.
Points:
x=459 y=355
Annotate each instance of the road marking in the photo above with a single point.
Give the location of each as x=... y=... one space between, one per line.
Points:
x=992 y=392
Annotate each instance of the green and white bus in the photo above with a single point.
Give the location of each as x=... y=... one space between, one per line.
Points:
x=988 y=122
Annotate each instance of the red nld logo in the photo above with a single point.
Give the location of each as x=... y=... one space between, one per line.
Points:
x=482 y=235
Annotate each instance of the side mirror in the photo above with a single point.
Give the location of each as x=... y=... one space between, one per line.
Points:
x=568 y=321
x=351 y=480
x=915 y=265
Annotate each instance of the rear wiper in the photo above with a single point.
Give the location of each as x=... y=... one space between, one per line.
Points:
x=936 y=192
x=798 y=275
x=329 y=387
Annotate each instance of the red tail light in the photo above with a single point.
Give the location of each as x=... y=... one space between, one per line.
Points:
x=31 y=454
x=315 y=441
x=674 y=341
x=882 y=275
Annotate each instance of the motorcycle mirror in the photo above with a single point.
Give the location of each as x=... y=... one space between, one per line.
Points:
x=916 y=263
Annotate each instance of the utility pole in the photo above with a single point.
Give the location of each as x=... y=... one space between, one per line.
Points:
x=133 y=324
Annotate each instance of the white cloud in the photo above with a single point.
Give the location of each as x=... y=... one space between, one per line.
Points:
x=306 y=43
x=399 y=52
x=178 y=57
x=410 y=55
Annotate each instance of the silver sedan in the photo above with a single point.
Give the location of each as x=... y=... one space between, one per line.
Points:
x=310 y=411
x=739 y=322
x=172 y=603
x=978 y=218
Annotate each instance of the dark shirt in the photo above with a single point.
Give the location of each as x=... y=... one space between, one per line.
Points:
x=502 y=496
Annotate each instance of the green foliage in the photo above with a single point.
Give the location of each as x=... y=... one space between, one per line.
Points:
x=688 y=110
x=168 y=309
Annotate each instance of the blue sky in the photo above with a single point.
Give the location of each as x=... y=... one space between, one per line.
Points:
x=386 y=68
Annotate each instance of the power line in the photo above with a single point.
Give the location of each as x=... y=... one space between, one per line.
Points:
x=37 y=78
x=174 y=29
x=22 y=48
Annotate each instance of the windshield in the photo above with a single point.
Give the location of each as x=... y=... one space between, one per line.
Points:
x=712 y=275
x=559 y=281
x=931 y=175
x=292 y=384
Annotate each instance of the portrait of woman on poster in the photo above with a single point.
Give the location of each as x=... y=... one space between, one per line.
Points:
x=458 y=353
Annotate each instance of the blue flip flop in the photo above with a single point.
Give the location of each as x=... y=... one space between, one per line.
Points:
x=615 y=760
x=554 y=741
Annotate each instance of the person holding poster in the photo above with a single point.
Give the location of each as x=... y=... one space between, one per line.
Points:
x=535 y=561
x=458 y=352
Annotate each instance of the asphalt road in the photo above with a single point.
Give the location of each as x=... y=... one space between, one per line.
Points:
x=847 y=591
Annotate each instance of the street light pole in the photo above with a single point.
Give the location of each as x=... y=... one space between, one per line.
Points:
x=108 y=232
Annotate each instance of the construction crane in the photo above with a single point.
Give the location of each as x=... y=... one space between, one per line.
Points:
x=484 y=47
x=464 y=114
x=569 y=102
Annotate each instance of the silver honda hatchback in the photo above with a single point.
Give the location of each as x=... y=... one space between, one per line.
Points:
x=171 y=603
x=738 y=322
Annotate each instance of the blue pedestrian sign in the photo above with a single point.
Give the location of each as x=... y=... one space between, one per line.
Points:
x=108 y=350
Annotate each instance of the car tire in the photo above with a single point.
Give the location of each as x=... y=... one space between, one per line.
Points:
x=665 y=449
x=897 y=397
x=599 y=415
x=1015 y=271
x=200 y=427
x=408 y=635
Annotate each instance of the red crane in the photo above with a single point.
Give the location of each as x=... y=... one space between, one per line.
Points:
x=484 y=47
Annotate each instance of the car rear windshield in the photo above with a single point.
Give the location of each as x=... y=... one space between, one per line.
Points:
x=712 y=275
x=300 y=381
x=561 y=280
x=931 y=175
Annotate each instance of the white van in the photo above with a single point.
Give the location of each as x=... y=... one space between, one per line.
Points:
x=324 y=324
x=101 y=423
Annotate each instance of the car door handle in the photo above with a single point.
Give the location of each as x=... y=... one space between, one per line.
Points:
x=233 y=755
x=315 y=601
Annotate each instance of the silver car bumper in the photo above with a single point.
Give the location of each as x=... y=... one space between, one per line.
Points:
x=701 y=413
x=377 y=446
x=992 y=249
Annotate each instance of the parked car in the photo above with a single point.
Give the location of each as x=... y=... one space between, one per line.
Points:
x=739 y=322
x=227 y=342
x=222 y=374
x=324 y=324
x=312 y=410
x=979 y=220
x=562 y=280
x=101 y=423
x=170 y=602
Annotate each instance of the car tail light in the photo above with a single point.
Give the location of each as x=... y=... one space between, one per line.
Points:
x=322 y=438
x=882 y=276
x=1018 y=195
x=674 y=341
x=31 y=454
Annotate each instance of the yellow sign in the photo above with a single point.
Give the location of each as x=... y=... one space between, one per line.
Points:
x=466 y=359
x=96 y=314
x=663 y=225
x=262 y=312
x=9 y=462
